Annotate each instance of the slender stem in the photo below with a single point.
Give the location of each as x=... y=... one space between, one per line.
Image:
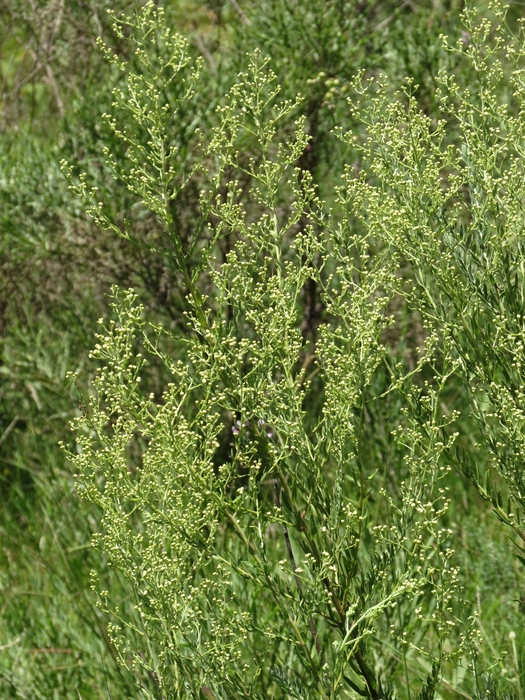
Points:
x=373 y=685
x=253 y=549
x=291 y=556
x=150 y=671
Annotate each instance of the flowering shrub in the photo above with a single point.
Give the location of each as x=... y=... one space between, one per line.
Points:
x=279 y=506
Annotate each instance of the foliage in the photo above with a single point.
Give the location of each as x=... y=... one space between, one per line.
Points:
x=306 y=411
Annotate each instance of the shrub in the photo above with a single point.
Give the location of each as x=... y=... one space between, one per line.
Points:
x=306 y=410
x=264 y=549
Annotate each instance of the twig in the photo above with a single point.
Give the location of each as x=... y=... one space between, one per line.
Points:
x=13 y=643
x=9 y=429
x=240 y=12
x=394 y=14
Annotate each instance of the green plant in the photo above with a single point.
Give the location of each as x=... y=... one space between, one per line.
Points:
x=306 y=411
x=267 y=568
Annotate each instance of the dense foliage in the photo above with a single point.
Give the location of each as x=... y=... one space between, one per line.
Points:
x=262 y=312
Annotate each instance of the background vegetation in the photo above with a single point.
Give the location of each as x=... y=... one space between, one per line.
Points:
x=408 y=247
